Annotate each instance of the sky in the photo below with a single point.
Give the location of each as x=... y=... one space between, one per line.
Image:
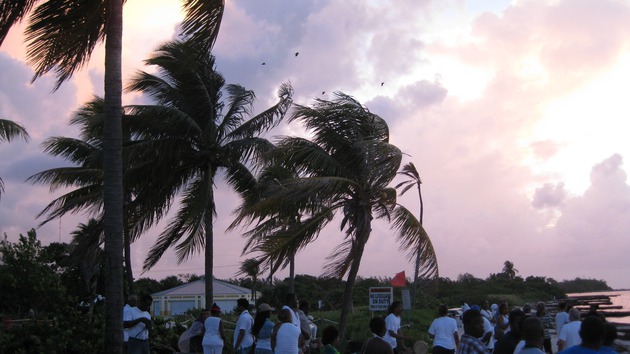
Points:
x=514 y=113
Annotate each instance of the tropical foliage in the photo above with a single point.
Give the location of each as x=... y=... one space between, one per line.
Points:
x=8 y=131
x=187 y=137
x=344 y=169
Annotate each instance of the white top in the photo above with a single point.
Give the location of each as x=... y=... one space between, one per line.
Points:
x=295 y=318
x=392 y=323
x=562 y=318
x=444 y=329
x=570 y=334
x=488 y=327
x=212 y=336
x=126 y=330
x=519 y=347
x=287 y=339
x=140 y=330
x=245 y=322
x=487 y=314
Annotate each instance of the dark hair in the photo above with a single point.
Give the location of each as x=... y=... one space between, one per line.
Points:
x=377 y=325
x=515 y=315
x=289 y=298
x=259 y=321
x=242 y=302
x=285 y=315
x=146 y=298
x=532 y=328
x=562 y=305
x=611 y=334
x=442 y=310
x=393 y=306
x=592 y=329
x=329 y=334
x=469 y=316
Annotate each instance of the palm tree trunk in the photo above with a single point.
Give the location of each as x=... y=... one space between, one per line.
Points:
x=128 y=268
x=209 y=253
x=112 y=180
x=417 y=269
x=292 y=274
x=363 y=234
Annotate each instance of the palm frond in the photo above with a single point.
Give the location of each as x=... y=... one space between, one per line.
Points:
x=62 y=35
x=10 y=130
x=13 y=12
x=267 y=119
x=415 y=241
x=202 y=21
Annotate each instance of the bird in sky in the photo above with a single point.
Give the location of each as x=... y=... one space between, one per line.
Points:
x=297 y=53
x=263 y=63
x=382 y=83
x=323 y=92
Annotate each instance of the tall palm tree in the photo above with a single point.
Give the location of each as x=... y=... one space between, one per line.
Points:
x=190 y=134
x=346 y=169
x=8 y=131
x=62 y=35
x=409 y=170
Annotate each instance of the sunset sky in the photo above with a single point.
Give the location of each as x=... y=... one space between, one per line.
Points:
x=516 y=114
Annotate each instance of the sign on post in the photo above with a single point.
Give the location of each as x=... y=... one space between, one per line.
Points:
x=406 y=299
x=380 y=298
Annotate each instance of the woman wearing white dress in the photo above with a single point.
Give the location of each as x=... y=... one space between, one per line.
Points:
x=286 y=336
x=214 y=337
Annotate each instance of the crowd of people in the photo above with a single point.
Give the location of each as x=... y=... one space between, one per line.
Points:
x=501 y=330
x=495 y=329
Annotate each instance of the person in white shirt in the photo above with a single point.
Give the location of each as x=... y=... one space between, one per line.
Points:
x=214 y=334
x=570 y=334
x=243 y=338
x=444 y=332
x=392 y=322
x=562 y=317
x=132 y=301
x=138 y=323
x=286 y=336
x=292 y=304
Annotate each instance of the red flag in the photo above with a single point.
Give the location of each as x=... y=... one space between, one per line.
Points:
x=399 y=279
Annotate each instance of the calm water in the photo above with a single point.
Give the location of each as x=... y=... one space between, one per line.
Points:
x=623 y=299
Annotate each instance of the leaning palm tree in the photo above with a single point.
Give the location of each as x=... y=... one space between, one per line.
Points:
x=190 y=134
x=61 y=37
x=8 y=131
x=346 y=169
x=409 y=170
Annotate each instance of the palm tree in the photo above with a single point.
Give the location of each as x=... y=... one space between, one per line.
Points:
x=414 y=180
x=189 y=135
x=8 y=131
x=509 y=271
x=61 y=36
x=251 y=268
x=346 y=169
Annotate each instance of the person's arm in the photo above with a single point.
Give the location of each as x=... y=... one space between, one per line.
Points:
x=222 y=331
x=274 y=334
x=239 y=339
x=131 y=323
x=456 y=336
x=561 y=345
x=399 y=336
